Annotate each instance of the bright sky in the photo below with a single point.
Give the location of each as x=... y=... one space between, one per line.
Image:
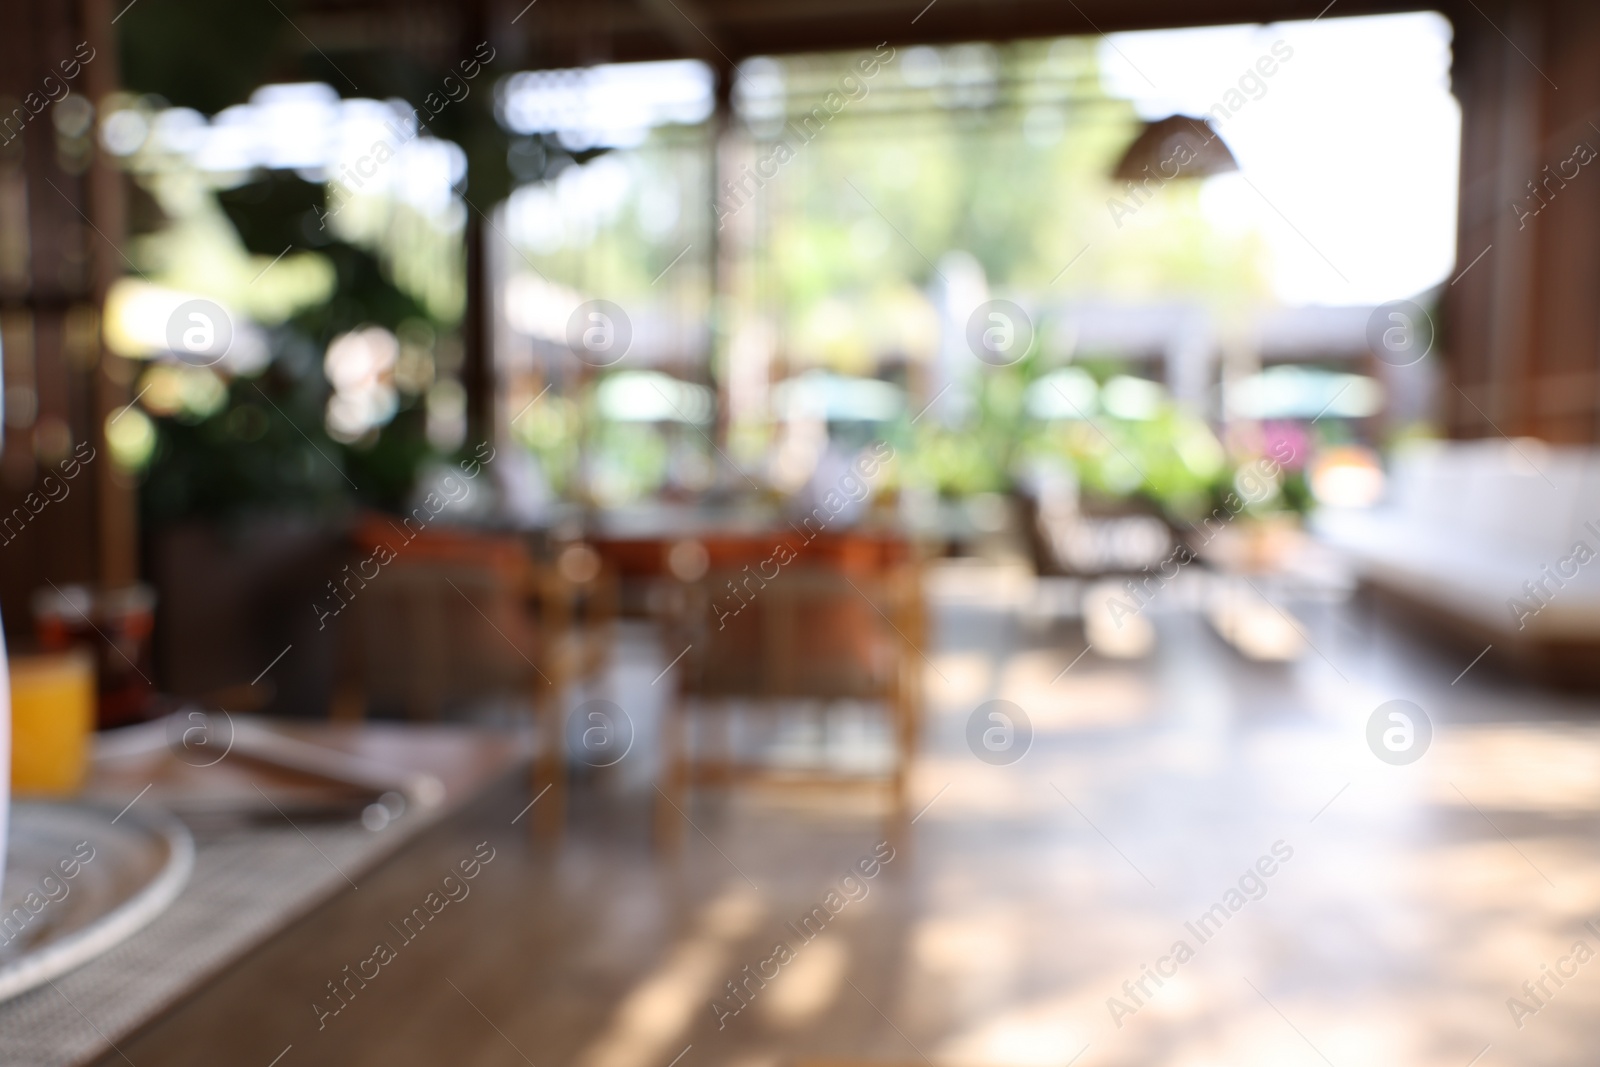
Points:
x=1353 y=146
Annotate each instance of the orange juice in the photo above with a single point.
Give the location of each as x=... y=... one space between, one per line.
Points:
x=52 y=713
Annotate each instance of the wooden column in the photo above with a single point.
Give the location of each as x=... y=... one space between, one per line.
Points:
x=117 y=494
x=478 y=375
x=1522 y=325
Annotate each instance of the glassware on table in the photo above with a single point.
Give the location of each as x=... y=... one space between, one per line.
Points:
x=52 y=699
x=5 y=753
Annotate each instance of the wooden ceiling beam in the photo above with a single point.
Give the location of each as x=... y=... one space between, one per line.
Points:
x=725 y=32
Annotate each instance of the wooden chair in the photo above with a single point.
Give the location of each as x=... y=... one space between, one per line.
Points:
x=461 y=616
x=431 y=637
x=821 y=631
x=578 y=598
x=436 y=620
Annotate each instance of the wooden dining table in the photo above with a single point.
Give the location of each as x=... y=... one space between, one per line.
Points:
x=274 y=846
x=637 y=545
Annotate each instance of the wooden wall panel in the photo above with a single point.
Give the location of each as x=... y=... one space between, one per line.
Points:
x=52 y=280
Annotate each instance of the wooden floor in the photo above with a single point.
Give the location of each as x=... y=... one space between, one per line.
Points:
x=1413 y=902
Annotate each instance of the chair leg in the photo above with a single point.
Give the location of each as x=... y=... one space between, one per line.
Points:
x=904 y=701
x=549 y=762
x=897 y=714
x=671 y=792
x=719 y=767
x=349 y=703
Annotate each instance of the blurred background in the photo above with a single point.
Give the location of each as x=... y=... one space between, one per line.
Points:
x=738 y=435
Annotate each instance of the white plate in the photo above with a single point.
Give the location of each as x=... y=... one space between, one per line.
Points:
x=50 y=923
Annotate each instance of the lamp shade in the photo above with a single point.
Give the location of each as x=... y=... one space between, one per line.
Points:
x=1175 y=147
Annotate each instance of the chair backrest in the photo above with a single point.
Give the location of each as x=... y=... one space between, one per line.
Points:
x=443 y=624
x=807 y=632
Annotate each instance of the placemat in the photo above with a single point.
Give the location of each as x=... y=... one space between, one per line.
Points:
x=245 y=886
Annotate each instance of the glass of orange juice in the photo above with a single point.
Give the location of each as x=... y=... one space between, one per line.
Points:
x=52 y=713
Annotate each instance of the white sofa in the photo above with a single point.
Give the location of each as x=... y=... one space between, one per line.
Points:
x=1467 y=523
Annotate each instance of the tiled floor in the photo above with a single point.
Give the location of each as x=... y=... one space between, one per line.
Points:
x=1406 y=904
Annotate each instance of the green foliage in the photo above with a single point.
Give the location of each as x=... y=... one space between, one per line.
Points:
x=203 y=54
x=276 y=210
x=1171 y=461
x=385 y=469
x=626 y=460
x=980 y=455
x=266 y=447
x=364 y=294
x=1020 y=180
x=264 y=450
